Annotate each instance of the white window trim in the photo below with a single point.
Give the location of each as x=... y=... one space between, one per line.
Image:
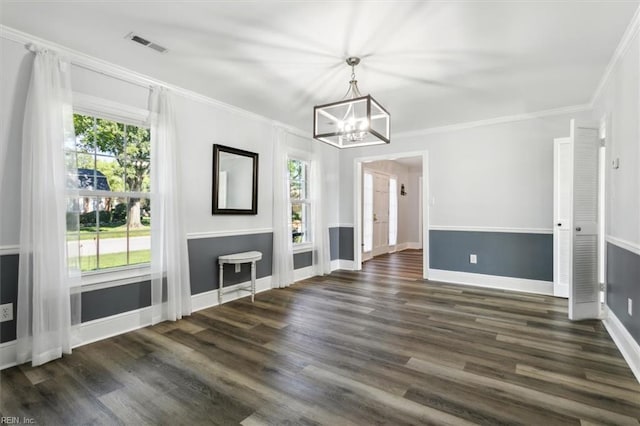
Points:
x=303 y=247
x=113 y=277
x=110 y=110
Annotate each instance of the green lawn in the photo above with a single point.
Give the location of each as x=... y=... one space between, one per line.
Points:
x=89 y=232
x=111 y=260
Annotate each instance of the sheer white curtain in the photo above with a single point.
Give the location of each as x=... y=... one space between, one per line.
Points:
x=170 y=281
x=282 y=273
x=48 y=279
x=319 y=229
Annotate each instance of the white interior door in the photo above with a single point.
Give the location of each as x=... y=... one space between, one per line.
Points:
x=393 y=213
x=367 y=216
x=562 y=215
x=380 y=214
x=583 y=292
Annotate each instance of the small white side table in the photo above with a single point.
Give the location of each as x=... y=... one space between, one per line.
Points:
x=238 y=259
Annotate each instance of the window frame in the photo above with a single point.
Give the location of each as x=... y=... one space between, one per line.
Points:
x=306 y=245
x=109 y=110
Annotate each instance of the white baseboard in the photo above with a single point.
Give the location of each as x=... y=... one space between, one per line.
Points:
x=210 y=298
x=8 y=354
x=561 y=290
x=90 y=331
x=492 y=281
x=103 y=328
x=408 y=246
x=627 y=345
x=302 y=273
x=342 y=264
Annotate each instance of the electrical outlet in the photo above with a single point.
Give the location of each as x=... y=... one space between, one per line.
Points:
x=6 y=312
x=630 y=306
x=473 y=258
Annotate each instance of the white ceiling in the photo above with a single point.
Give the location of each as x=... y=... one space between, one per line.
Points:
x=429 y=63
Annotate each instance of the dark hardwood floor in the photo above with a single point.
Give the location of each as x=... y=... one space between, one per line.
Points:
x=377 y=347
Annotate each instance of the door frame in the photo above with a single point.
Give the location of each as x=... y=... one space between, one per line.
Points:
x=604 y=134
x=357 y=208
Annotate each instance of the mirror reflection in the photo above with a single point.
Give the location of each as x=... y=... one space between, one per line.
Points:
x=235 y=181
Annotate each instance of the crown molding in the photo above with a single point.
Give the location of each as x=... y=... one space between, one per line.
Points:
x=497 y=120
x=116 y=71
x=623 y=46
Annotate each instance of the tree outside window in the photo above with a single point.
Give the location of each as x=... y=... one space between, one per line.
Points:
x=112 y=161
x=299 y=201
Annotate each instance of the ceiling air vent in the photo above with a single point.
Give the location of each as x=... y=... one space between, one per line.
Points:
x=143 y=41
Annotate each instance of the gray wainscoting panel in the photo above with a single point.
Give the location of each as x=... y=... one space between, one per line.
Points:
x=334 y=243
x=346 y=243
x=9 y=293
x=623 y=282
x=341 y=242
x=203 y=259
x=507 y=254
x=302 y=260
x=115 y=300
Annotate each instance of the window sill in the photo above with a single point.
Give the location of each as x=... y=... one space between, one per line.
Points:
x=113 y=278
x=302 y=247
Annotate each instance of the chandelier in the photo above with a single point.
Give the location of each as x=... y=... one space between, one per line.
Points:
x=354 y=121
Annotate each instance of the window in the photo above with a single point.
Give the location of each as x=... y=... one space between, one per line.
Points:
x=112 y=161
x=299 y=200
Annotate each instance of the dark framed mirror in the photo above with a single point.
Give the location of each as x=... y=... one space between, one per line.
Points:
x=235 y=181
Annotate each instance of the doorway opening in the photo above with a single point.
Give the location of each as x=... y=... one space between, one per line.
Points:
x=390 y=212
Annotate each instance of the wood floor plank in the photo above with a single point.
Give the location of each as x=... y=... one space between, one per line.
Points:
x=379 y=346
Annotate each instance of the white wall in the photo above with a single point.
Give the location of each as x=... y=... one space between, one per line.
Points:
x=498 y=175
x=14 y=80
x=200 y=124
x=620 y=101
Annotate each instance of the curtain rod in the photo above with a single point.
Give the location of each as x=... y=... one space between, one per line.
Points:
x=90 y=63
x=34 y=47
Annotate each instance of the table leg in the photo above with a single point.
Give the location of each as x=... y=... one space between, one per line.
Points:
x=220 y=285
x=253 y=280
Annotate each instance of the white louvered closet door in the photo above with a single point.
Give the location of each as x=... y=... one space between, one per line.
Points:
x=583 y=295
x=562 y=216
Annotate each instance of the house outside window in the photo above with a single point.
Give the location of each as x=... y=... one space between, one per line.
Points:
x=112 y=159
